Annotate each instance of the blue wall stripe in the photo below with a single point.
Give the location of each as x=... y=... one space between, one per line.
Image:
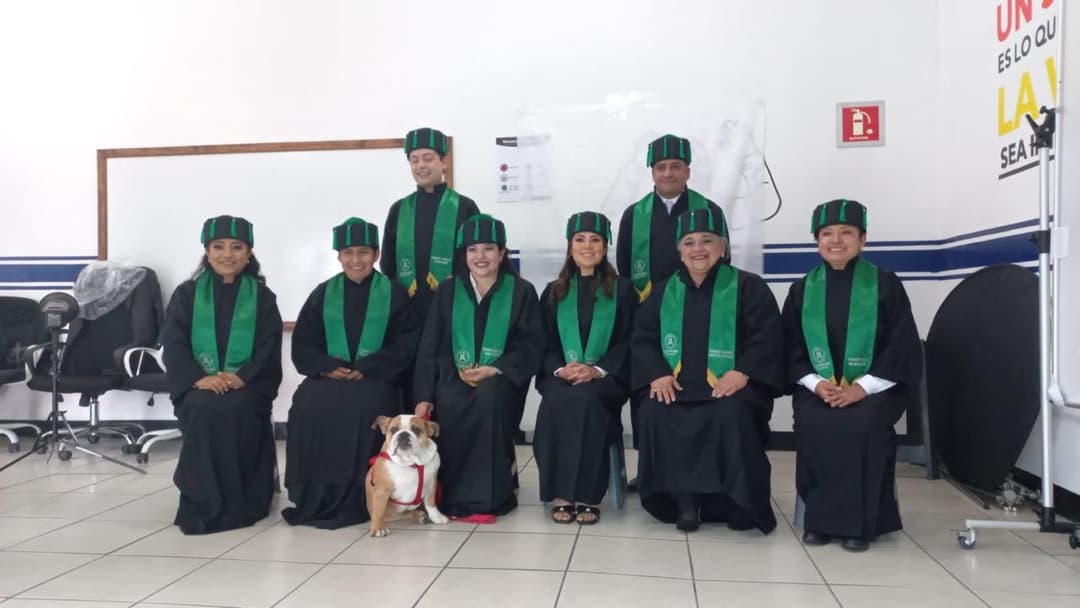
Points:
x=942 y=256
x=36 y=287
x=42 y=258
x=809 y=243
x=39 y=273
x=1003 y=250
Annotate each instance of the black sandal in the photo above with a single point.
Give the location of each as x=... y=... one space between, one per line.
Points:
x=589 y=510
x=559 y=510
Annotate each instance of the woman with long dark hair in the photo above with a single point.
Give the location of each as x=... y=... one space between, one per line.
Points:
x=585 y=377
x=222 y=350
x=480 y=348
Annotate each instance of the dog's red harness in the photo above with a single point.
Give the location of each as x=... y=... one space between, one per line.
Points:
x=419 y=483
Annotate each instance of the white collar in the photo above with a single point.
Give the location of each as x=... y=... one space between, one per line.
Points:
x=669 y=202
x=475 y=289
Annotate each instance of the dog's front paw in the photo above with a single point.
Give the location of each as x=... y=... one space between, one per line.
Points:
x=436 y=517
x=378 y=532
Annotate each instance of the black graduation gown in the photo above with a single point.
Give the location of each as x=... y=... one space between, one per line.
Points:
x=710 y=447
x=330 y=437
x=427 y=206
x=576 y=424
x=477 y=425
x=664 y=261
x=846 y=457
x=226 y=468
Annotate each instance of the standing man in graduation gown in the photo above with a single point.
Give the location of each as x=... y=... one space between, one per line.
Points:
x=708 y=348
x=418 y=242
x=481 y=346
x=585 y=378
x=646 y=254
x=222 y=350
x=355 y=340
x=854 y=362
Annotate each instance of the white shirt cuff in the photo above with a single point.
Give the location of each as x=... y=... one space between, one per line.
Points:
x=810 y=381
x=603 y=372
x=873 y=385
x=556 y=372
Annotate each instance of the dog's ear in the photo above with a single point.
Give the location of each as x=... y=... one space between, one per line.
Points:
x=382 y=423
x=433 y=428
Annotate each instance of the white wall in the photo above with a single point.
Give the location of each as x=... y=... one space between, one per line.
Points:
x=126 y=73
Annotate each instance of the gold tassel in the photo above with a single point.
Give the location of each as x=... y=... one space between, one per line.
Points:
x=412 y=288
x=678 y=368
x=432 y=281
x=644 y=293
x=711 y=377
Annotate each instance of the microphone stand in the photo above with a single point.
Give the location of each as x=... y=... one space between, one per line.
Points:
x=48 y=441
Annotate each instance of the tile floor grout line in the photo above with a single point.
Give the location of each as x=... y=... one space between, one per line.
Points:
x=693 y=575
x=11 y=548
x=52 y=578
x=648 y=576
x=320 y=569
x=113 y=553
x=806 y=551
x=566 y=571
x=444 y=567
x=950 y=572
x=208 y=560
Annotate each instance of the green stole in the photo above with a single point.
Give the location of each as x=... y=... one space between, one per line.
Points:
x=861 y=324
x=463 y=323
x=641 y=240
x=603 y=323
x=241 y=342
x=375 y=319
x=442 y=241
x=722 y=316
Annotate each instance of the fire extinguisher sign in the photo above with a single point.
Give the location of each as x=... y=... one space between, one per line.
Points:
x=860 y=124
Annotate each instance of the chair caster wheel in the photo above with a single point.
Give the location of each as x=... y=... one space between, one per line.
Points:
x=130 y=448
x=93 y=438
x=64 y=455
x=12 y=448
x=1074 y=540
x=966 y=539
x=142 y=458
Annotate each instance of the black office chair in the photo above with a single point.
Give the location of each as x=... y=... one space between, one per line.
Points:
x=20 y=326
x=144 y=370
x=88 y=364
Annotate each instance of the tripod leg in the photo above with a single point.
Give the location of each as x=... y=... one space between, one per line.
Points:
x=19 y=459
x=109 y=458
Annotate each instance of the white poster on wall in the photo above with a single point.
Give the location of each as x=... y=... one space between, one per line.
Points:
x=522 y=169
x=1026 y=78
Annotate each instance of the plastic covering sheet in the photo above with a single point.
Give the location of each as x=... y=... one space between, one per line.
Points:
x=592 y=158
x=102 y=286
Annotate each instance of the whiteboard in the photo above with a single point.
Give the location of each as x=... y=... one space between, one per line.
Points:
x=156 y=206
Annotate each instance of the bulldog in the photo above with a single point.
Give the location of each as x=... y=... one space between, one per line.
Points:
x=403 y=475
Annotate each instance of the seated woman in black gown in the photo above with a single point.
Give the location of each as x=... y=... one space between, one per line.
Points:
x=355 y=340
x=854 y=363
x=708 y=344
x=585 y=378
x=481 y=346
x=222 y=350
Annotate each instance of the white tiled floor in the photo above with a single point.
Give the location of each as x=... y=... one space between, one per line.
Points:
x=90 y=534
